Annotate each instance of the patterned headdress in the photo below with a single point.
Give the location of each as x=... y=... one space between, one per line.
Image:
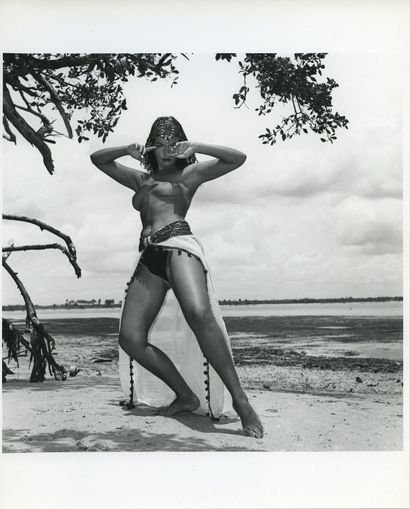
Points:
x=167 y=128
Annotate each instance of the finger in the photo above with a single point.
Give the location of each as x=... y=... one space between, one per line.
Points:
x=150 y=148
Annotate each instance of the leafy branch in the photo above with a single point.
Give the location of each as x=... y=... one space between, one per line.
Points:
x=297 y=82
x=85 y=90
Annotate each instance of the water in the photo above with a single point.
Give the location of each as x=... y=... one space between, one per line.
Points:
x=390 y=308
x=359 y=329
x=375 y=309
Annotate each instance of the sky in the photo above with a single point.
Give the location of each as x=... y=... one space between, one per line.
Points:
x=300 y=219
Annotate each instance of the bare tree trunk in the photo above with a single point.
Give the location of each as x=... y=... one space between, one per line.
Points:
x=42 y=344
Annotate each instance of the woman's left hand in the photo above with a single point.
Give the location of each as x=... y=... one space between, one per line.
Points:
x=182 y=149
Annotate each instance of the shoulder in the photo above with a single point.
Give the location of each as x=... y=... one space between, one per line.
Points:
x=190 y=177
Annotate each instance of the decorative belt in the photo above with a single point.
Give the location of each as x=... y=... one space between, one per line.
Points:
x=173 y=229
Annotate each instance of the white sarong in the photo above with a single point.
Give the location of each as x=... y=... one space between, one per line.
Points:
x=171 y=333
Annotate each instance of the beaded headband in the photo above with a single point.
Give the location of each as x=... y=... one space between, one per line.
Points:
x=167 y=128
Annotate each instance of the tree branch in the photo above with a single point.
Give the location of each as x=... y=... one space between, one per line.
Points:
x=28 y=90
x=44 y=226
x=68 y=61
x=294 y=105
x=10 y=135
x=38 y=247
x=57 y=78
x=30 y=110
x=26 y=130
x=56 y=100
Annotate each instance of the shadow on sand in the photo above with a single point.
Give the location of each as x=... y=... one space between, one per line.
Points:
x=105 y=389
x=119 y=440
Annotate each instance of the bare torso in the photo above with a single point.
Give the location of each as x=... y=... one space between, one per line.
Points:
x=161 y=200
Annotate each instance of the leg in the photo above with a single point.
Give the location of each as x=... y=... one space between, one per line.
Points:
x=188 y=281
x=144 y=298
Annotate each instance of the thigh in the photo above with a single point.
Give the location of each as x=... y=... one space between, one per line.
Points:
x=188 y=281
x=145 y=296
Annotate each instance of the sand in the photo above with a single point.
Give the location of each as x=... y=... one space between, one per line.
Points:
x=83 y=414
x=319 y=384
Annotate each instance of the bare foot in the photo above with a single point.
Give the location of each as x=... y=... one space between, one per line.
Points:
x=252 y=425
x=182 y=404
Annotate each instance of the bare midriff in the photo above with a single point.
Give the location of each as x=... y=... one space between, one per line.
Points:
x=161 y=203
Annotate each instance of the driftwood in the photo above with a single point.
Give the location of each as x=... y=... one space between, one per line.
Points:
x=41 y=344
x=5 y=370
x=38 y=247
x=45 y=226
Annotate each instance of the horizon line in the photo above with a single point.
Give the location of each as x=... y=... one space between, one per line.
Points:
x=239 y=299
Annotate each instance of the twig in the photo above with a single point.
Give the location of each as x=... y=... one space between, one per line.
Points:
x=56 y=100
x=294 y=106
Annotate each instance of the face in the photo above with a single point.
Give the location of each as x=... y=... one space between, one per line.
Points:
x=163 y=152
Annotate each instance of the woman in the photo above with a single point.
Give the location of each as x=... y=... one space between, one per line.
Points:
x=173 y=258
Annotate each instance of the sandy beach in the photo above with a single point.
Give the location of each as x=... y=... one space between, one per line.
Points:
x=313 y=392
x=82 y=414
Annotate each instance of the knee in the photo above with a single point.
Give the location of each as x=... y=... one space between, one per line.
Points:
x=198 y=315
x=132 y=342
x=125 y=340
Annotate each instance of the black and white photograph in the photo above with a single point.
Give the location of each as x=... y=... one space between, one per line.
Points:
x=203 y=251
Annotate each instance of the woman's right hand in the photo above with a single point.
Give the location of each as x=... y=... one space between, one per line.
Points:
x=137 y=151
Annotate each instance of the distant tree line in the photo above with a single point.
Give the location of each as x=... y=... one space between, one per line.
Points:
x=77 y=304
x=235 y=302
x=91 y=303
x=80 y=303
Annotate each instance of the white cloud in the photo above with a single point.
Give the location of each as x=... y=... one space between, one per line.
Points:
x=301 y=218
x=372 y=227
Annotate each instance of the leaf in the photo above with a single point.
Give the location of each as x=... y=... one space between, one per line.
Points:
x=322 y=139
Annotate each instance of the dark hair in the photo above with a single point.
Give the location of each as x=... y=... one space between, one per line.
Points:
x=167 y=127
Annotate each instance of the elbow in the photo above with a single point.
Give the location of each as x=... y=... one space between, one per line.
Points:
x=93 y=158
x=242 y=159
x=239 y=160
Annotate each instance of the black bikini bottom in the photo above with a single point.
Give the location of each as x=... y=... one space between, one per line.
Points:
x=155 y=260
x=154 y=257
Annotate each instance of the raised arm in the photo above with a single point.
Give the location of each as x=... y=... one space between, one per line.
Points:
x=105 y=160
x=226 y=160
